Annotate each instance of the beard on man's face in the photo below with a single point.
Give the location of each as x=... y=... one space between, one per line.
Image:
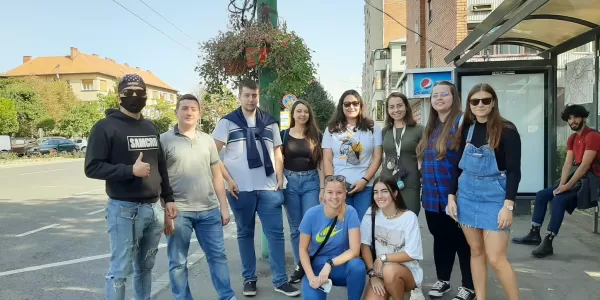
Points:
x=576 y=126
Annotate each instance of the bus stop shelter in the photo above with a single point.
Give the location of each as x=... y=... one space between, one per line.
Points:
x=551 y=27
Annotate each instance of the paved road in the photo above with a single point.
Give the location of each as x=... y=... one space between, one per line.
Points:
x=68 y=259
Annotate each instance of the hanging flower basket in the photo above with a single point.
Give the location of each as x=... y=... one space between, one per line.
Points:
x=236 y=53
x=235 y=67
x=256 y=55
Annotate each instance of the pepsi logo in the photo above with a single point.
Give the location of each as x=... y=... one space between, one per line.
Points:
x=426 y=83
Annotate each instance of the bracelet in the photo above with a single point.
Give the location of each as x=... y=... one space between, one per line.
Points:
x=365 y=179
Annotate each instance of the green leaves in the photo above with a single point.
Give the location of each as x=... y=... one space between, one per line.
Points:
x=9 y=123
x=320 y=101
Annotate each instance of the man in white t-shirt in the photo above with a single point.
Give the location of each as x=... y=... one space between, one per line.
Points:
x=254 y=174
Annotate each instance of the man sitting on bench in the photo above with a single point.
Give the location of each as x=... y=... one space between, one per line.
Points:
x=583 y=151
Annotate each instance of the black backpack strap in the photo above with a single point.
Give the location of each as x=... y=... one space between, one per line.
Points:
x=326 y=239
x=283 y=134
x=373 y=234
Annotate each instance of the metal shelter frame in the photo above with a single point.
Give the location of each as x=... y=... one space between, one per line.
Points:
x=561 y=26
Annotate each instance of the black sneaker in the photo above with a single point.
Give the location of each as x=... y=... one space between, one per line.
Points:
x=288 y=290
x=545 y=248
x=439 y=289
x=296 y=276
x=464 y=294
x=250 y=288
x=532 y=238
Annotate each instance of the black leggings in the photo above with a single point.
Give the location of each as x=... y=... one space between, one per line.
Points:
x=449 y=240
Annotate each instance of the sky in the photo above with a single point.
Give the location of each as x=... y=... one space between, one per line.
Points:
x=333 y=29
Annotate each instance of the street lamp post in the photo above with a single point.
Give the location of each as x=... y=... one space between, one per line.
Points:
x=267 y=13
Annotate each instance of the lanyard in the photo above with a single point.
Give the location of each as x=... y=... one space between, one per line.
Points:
x=398 y=144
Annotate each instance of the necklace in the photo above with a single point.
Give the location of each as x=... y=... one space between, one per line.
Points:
x=392 y=216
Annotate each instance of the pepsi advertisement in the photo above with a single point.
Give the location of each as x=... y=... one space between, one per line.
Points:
x=424 y=82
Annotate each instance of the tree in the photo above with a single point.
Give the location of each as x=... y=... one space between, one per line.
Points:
x=320 y=101
x=27 y=102
x=9 y=123
x=163 y=124
x=46 y=124
x=108 y=101
x=80 y=119
x=57 y=97
x=215 y=106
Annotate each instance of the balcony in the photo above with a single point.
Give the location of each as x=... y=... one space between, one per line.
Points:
x=478 y=10
x=380 y=64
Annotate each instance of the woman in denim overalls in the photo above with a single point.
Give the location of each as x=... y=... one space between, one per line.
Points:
x=487 y=187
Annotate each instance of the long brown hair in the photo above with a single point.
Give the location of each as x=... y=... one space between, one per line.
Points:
x=409 y=120
x=447 y=125
x=338 y=121
x=311 y=132
x=495 y=122
x=392 y=187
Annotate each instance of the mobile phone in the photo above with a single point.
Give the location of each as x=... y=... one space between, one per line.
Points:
x=348 y=187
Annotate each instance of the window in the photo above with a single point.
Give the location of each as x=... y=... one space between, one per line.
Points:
x=379 y=110
x=583 y=48
x=530 y=51
x=416 y=28
x=162 y=96
x=154 y=95
x=172 y=97
x=508 y=49
x=379 y=79
x=403 y=50
x=103 y=86
x=430 y=58
x=381 y=54
x=87 y=85
x=429 y=11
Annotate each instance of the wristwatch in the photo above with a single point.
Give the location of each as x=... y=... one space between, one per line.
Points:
x=510 y=207
x=330 y=262
x=371 y=273
x=383 y=258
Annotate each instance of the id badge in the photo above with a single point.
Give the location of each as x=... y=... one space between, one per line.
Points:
x=400 y=184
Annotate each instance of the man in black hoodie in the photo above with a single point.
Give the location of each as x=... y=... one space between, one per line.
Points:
x=124 y=150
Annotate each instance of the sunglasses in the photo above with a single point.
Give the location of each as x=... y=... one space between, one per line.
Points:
x=442 y=94
x=353 y=103
x=486 y=101
x=338 y=178
x=131 y=93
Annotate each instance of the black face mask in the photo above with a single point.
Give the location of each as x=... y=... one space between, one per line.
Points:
x=133 y=104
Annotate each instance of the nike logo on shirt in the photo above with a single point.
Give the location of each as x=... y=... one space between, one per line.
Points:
x=323 y=234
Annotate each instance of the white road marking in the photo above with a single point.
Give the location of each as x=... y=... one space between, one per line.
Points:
x=36 y=230
x=39 y=172
x=95 y=212
x=65 y=263
x=84 y=193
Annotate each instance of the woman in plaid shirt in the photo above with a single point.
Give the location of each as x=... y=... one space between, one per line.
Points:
x=438 y=151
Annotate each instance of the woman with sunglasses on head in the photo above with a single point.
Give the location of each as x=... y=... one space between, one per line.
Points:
x=330 y=244
x=302 y=168
x=438 y=151
x=392 y=255
x=485 y=185
x=352 y=148
x=401 y=135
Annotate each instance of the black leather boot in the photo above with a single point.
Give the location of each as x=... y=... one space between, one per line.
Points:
x=532 y=238
x=545 y=248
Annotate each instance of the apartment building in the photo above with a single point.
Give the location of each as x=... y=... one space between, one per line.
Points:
x=385 y=53
x=90 y=75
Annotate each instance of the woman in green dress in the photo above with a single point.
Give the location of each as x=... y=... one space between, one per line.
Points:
x=401 y=135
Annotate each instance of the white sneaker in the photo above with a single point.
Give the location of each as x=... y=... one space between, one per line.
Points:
x=417 y=294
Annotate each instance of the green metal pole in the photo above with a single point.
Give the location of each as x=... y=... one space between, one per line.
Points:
x=267 y=13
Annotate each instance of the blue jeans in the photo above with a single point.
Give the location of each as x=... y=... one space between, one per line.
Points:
x=209 y=231
x=268 y=206
x=302 y=193
x=351 y=275
x=559 y=206
x=134 y=230
x=361 y=201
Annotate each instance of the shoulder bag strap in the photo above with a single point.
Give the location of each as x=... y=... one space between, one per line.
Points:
x=326 y=239
x=373 y=253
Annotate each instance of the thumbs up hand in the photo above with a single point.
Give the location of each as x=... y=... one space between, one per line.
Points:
x=140 y=168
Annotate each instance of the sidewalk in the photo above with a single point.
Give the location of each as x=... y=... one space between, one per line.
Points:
x=573 y=272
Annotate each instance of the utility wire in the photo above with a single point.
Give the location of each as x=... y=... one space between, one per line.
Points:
x=406 y=27
x=180 y=44
x=166 y=19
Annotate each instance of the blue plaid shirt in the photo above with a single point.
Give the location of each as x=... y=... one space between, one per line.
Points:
x=437 y=173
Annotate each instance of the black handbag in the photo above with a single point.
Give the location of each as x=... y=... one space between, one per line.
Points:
x=373 y=234
x=299 y=267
